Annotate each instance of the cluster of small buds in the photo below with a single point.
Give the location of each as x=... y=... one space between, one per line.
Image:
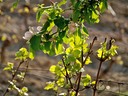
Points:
x=32 y=31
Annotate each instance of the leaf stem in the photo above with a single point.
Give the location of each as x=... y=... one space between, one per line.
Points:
x=83 y=62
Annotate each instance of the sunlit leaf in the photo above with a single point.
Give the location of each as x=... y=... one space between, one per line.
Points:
x=59 y=48
x=50 y=26
x=95 y=17
x=49 y=85
x=60 y=82
x=22 y=54
x=62 y=2
x=86 y=80
x=24 y=91
x=31 y=53
x=39 y=14
x=103 y=5
x=88 y=61
x=9 y=67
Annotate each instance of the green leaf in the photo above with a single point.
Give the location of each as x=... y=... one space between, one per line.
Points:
x=24 y=89
x=93 y=82
x=105 y=53
x=61 y=35
x=49 y=85
x=103 y=5
x=70 y=58
x=76 y=53
x=22 y=54
x=59 y=48
x=55 y=69
x=73 y=93
x=76 y=15
x=95 y=17
x=85 y=49
x=45 y=27
x=52 y=15
x=86 y=80
x=39 y=14
x=21 y=75
x=75 y=67
x=60 y=82
x=47 y=36
x=9 y=67
x=87 y=15
x=31 y=55
x=88 y=61
x=66 y=40
x=50 y=26
x=60 y=22
x=73 y=2
x=68 y=50
x=35 y=42
x=77 y=40
x=77 y=5
x=15 y=4
x=1 y=1
x=85 y=30
x=62 y=2
x=47 y=47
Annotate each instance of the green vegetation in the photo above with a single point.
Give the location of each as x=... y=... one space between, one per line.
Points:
x=68 y=40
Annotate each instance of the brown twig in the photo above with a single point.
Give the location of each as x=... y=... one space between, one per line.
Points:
x=97 y=77
x=26 y=70
x=13 y=76
x=80 y=74
x=105 y=71
x=67 y=75
x=83 y=62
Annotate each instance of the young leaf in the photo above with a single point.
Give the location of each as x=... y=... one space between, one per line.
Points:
x=9 y=67
x=86 y=80
x=62 y=2
x=59 y=48
x=15 y=4
x=53 y=68
x=49 y=85
x=60 y=82
x=76 y=53
x=103 y=5
x=88 y=61
x=22 y=54
x=35 y=42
